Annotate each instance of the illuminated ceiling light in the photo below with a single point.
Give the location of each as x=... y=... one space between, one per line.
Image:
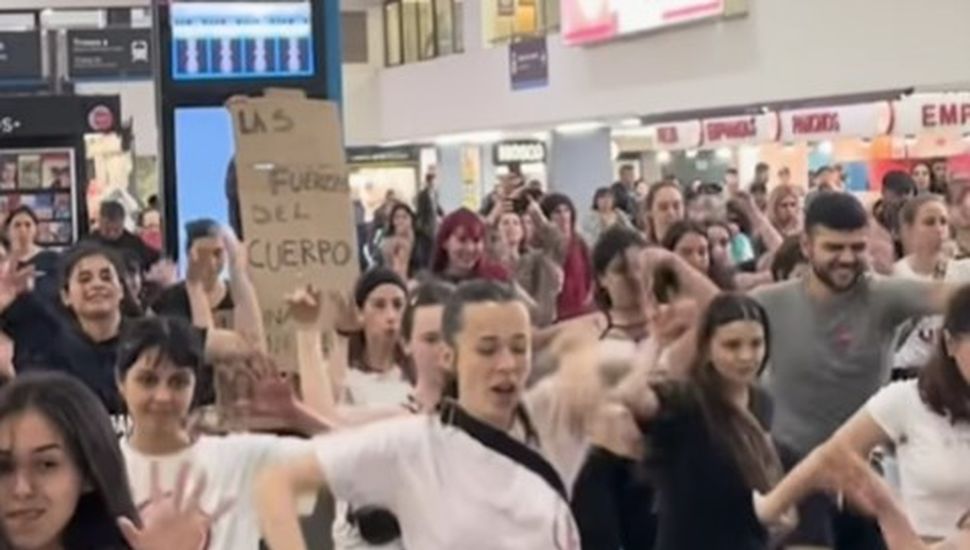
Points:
x=395 y=143
x=632 y=122
x=663 y=157
x=579 y=127
x=724 y=153
x=691 y=153
x=825 y=147
x=634 y=132
x=748 y=150
x=469 y=138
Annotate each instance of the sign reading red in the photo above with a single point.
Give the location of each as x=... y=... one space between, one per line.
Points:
x=935 y=115
x=816 y=123
x=725 y=130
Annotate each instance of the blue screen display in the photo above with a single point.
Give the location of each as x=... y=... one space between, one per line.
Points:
x=204 y=145
x=241 y=40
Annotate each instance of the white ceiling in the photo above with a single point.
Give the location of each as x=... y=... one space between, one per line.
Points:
x=89 y=4
x=70 y=4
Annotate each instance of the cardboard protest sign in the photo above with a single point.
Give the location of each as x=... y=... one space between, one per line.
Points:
x=295 y=204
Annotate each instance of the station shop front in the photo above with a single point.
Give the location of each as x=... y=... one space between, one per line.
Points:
x=863 y=140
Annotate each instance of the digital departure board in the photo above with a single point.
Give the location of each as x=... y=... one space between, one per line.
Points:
x=241 y=40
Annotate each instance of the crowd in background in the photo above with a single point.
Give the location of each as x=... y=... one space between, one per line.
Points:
x=714 y=365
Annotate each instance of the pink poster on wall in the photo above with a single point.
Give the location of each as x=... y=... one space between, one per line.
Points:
x=591 y=21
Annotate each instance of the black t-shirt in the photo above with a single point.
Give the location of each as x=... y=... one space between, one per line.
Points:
x=624 y=200
x=174 y=302
x=47 y=338
x=613 y=503
x=689 y=476
x=703 y=498
x=46 y=264
x=131 y=248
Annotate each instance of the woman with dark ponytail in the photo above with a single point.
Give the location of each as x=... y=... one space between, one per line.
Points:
x=473 y=461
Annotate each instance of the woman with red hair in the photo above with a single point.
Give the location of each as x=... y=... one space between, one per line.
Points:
x=459 y=251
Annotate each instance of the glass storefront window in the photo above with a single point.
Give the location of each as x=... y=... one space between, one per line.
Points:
x=410 y=34
x=392 y=34
x=418 y=30
x=459 y=11
x=444 y=16
x=426 y=29
x=506 y=20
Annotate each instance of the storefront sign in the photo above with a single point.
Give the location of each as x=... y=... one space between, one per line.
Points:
x=381 y=155
x=678 y=135
x=738 y=130
x=20 y=55
x=941 y=112
x=816 y=124
x=109 y=53
x=591 y=21
x=528 y=63
x=36 y=116
x=295 y=203
x=522 y=152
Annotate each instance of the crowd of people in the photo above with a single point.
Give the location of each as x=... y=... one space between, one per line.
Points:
x=712 y=366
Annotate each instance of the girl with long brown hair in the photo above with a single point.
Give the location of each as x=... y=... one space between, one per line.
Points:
x=707 y=433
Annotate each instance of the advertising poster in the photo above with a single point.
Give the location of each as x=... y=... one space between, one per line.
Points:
x=592 y=21
x=44 y=180
x=529 y=63
x=471 y=168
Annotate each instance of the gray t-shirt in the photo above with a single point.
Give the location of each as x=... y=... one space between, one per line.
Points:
x=828 y=358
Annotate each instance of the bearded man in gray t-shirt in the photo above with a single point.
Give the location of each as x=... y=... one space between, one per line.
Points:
x=832 y=330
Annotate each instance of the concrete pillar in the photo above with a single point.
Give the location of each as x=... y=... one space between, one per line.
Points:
x=450 y=189
x=579 y=163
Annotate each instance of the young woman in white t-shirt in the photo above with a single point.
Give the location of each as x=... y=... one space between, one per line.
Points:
x=928 y=421
x=158 y=362
x=464 y=477
x=926 y=234
x=367 y=367
x=358 y=525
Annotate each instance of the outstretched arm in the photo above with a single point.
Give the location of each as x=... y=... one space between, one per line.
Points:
x=277 y=488
x=316 y=383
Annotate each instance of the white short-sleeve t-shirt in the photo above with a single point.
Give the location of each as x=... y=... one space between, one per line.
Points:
x=917 y=339
x=367 y=389
x=230 y=464
x=447 y=490
x=933 y=455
